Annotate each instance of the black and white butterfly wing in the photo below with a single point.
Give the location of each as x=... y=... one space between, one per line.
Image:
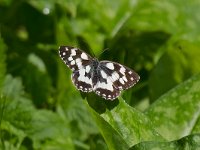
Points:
x=114 y=78
x=121 y=76
x=104 y=86
x=79 y=62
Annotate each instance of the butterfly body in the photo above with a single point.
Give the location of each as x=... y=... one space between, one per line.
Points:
x=107 y=79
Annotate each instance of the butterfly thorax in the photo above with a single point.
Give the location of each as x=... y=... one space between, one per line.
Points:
x=95 y=70
x=95 y=64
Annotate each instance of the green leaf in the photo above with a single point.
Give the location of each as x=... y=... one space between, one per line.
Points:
x=180 y=62
x=113 y=139
x=174 y=17
x=2 y=62
x=132 y=125
x=21 y=121
x=175 y=114
x=189 y=142
x=126 y=123
x=16 y=112
x=49 y=130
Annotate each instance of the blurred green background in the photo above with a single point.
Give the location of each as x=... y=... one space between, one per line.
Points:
x=41 y=109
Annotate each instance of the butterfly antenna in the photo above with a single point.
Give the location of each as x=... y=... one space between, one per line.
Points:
x=104 y=50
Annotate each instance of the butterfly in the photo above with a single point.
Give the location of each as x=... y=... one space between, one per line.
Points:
x=106 y=78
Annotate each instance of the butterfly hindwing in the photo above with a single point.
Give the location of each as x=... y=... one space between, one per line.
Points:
x=104 y=86
x=79 y=62
x=82 y=80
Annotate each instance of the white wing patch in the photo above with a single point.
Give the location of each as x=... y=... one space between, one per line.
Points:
x=79 y=63
x=73 y=52
x=121 y=81
x=102 y=85
x=104 y=75
x=110 y=66
x=84 y=78
x=122 y=70
x=87 y=69
x=115 y=76
x=84 y=56
x=72 y=62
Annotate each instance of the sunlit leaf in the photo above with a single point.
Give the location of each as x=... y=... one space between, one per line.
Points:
x=175 y=114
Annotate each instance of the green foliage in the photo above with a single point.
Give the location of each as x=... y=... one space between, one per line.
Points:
x=41 y=109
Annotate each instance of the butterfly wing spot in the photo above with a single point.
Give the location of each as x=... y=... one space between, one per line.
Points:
x=121 y=81
x=131 y=78
x=73 y=52
x=72 y=62
x=106 y=94
x=78 y=62
x=115 y=76
x=122 y=70
x=110 y=66
x=63 y=53
x=65 y=48
x=70 y=58
x=120 y=88
x=84 y=56
x=130 y=72
x=124 y=78
x=103 y=74
x=87 y=69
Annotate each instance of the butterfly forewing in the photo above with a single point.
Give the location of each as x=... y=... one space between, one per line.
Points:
x=74 y=58
x=79 y=62
x=121 y=76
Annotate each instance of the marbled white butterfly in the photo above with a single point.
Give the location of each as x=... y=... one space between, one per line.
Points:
x=106 y=78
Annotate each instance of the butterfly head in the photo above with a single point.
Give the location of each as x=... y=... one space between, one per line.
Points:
x=95 y=63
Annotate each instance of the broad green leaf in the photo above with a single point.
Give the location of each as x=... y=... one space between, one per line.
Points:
x=132 y=125
x=196 y=128
x=112 y=137
x=176 y=65
x=49 y=126
x=34 y=74
x=189 y=142
x=15 y=113
x=174 y=17
x=175 y=114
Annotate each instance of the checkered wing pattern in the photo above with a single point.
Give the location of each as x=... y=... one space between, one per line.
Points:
x=79 y=62
x=107 y=79
x=113 y=78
